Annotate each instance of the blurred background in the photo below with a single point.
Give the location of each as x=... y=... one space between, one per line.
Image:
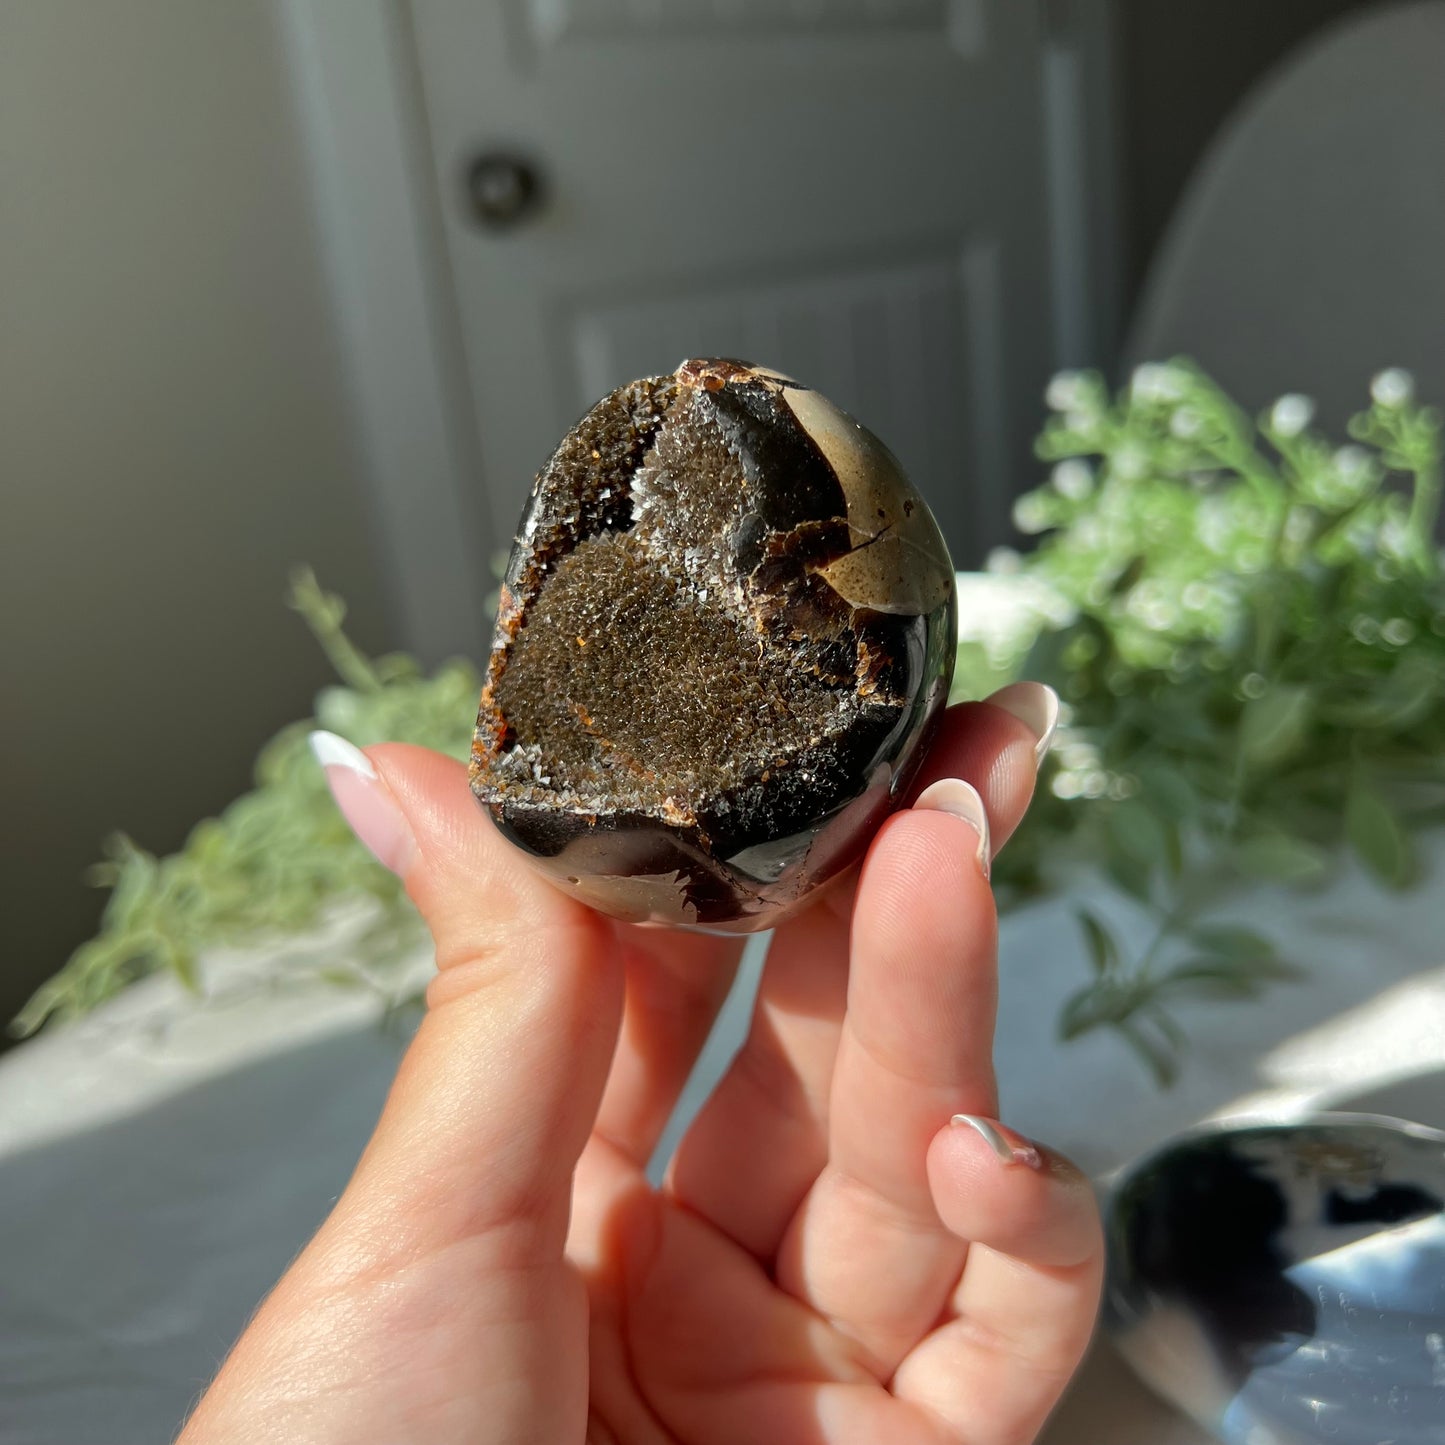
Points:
x=323 y=281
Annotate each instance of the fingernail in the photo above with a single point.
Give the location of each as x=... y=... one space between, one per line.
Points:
x=953 y=795
x=1036 y=706
x=364 y=800
x=1021 y=1153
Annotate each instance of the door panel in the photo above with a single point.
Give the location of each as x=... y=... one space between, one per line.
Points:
x=850 y=191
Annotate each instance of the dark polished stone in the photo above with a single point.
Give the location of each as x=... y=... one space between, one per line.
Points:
x=726 y=632
x=1285 y=1285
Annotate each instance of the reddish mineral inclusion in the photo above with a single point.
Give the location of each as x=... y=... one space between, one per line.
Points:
x=726 y=631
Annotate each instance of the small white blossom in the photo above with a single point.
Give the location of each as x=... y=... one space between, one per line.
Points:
x=1130 y=462
x=1030 y=514
x=1186 y=423
x=1352 y=465
x=1395 y=537
x=1291 y=414
x=1155 y=382
x=1392 y=387
x=1073 y=479
x=1003 y=562
x=1066 y=391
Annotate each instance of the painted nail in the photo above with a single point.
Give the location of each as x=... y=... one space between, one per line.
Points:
x=364 y=801
x=1036 y=706
x=953 y=795
x=1022 y=1153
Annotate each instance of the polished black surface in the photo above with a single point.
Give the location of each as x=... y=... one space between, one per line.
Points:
x=1285 y=1285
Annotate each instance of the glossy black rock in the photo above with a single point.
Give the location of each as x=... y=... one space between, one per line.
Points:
x=726 y=629
x=1286 y=1284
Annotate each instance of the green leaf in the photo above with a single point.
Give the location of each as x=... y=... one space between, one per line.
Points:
x=1279 y=858
x=1405 y=697
x=1272 y=727
x=1216 y=978
x=1129 y=877
x=1211 y=978
x=1103 y=949
x=1137 y=833
x=1168 y=792
x=1228 y=940
x=342 y=978
x=1378 y=836
x=1156 y=1055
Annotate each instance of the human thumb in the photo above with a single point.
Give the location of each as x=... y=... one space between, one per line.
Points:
x=434 y=1302
x=498 y=1092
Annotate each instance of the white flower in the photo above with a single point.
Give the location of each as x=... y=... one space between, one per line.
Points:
x=1003 y=562
x=1155 y=382
x=1395 y=538
x=1030 y=514
x=1291 y=414
x=1352 y=467
x=1066 y=391
x=1073 y=479
x=1130 y=462
x=1186 y=423
x=1392 y=387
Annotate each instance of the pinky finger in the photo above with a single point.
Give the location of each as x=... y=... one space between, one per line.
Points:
x=1028 y=1297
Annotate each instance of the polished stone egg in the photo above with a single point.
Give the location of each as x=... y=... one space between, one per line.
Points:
x=1285 y=1284
x=726 y=630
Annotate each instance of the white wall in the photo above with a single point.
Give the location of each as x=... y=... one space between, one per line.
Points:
x=174 y=436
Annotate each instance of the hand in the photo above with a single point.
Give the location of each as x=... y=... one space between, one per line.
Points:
x=830 y=1261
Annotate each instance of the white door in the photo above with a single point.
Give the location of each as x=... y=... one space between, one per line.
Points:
x=852 y=191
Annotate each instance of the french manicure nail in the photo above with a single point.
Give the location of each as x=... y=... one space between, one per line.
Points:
x=364 y=800
x=953 y=795
x=1023 y=1153
x=1036 y=706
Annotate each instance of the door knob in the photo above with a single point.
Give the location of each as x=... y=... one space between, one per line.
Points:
x=503 y=189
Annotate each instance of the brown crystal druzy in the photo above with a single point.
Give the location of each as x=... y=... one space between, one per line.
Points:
x=726 y=627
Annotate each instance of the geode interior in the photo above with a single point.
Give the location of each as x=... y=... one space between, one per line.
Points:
x=726 y=625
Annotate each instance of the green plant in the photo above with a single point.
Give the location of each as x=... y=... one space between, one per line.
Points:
x=1253 y=672
x=280 y=856
x=1247 y=627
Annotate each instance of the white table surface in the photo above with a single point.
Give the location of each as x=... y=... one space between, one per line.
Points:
x=161 y=1162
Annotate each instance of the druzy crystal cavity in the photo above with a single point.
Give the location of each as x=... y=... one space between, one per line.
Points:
x=726 y=628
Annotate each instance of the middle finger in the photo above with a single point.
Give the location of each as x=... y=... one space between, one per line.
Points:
x=761 y=1140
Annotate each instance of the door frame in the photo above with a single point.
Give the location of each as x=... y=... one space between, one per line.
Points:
x=360 y=108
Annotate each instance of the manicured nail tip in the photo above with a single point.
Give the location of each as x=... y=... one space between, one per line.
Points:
x=332 y=751
x=1025 y=1155
x=1036 y=706
x=953 y=795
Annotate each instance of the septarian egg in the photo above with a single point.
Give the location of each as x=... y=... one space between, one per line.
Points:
x=726 y=629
